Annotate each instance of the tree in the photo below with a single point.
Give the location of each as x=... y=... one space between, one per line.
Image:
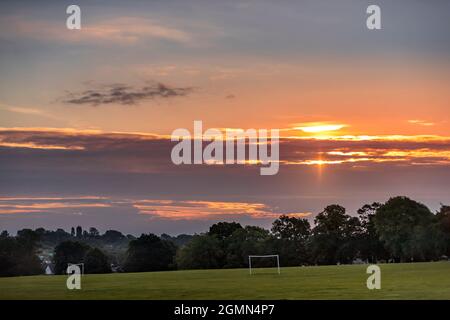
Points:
x=7 y=251
x=93 y=232
x=72 y=232
x=443 y=218
x=18 y=254
x=349 y=248
x=291 y=240
x=406 y=227
x=243 y=242
x=27 y=261
x=95 y=261
x=179 y=240
x=112 y=236
x=370 y=246
x=149 y=253
x=79 y=232
x=68 y=252
x=28 y=238
x=334 y=236
x=291 y=228
x=223 y=230
x=202 y=252
x=52 y=238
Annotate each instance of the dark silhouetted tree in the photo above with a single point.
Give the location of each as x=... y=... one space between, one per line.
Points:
x=93 y=232
x=18 y=254
x=95 y=261
x=291 y=228
x=68 y=252
x=243 y=242
x=202 y=252
x=79 y=232
x=222 y=230
x=443 y=217
x=291 y=240
x=406 y=227
x=149 y=253
x=112 y=236
x=370 y=246
x=334 y=236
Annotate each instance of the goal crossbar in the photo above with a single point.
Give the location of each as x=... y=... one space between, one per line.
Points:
x=264 y=256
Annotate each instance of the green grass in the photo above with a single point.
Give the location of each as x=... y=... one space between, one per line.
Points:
x=398 y=281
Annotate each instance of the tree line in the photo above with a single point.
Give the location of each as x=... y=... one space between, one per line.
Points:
x=399 y=230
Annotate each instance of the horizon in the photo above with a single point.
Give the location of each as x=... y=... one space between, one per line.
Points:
x=268 y=223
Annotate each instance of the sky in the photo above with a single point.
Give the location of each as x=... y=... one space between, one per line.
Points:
x=86 y=115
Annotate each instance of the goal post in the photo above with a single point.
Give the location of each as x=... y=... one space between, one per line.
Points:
x=263 y=256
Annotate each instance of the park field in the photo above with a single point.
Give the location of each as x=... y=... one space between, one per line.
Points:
x=398 y=281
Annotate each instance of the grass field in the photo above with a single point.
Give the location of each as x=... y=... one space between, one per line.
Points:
x=398 y=281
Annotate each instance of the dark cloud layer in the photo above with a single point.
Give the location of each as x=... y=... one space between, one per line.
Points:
x=58 y=162
x=150 y=152
x=125 y=94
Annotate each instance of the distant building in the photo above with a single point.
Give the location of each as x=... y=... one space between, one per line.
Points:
x=49 y=268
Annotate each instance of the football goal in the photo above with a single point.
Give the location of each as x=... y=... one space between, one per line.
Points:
x=270 y=256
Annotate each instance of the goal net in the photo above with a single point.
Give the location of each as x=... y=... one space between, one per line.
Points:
x=273 y=257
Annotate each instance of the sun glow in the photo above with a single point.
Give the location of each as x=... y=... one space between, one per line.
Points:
x=317 y=127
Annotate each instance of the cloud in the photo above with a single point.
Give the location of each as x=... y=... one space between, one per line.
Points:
x=125 y=94
x=121 y=30
x=131 y=29
x=27 y=111
x=142 y=151
x=134 y=171
x=21 y=110
x=422 y=123
x=149 y=208
x=188 y=210
x=14 y=205
x=67 y=152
